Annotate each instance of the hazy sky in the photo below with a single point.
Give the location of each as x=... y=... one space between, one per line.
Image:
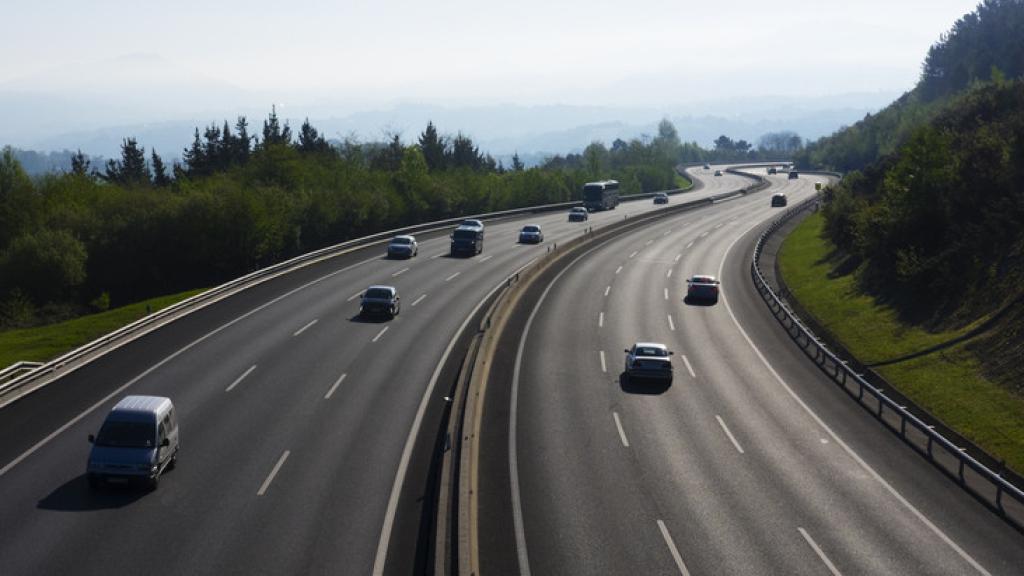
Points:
x=365 y=53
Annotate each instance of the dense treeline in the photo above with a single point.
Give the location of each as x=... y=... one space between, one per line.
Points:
x=937 y=225
x=984 y=45
x=97 y=236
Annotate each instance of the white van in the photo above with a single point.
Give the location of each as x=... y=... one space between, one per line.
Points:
x=138 y=441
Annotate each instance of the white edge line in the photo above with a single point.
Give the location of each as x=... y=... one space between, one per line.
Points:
x=403 y=464
x=379 y=334
x=303 y=329
x=240 y=378
x=622 y=433
x=689 y=368
x=846 y=448
x=729 y=433
x=817 y=550
x=335 y=387
x=672 y=548
x=270 y=478
x=174 y=355
x=418 y=300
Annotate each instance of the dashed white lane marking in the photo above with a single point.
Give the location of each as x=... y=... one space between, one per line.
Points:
x=688 y=367
x=678 y=256
x=418 y=300
x=671 y=324
x=649 y=242
x=634 y=254
x=817 y=550
x=240 y=378
x=400 y=272
x=436 y=256
x=452 y=277
x=690 y=245
x=666 y=232
x=607 y=290
x=729 y=434
x=619 y=269
x=718 y=226
x=604 y=367
x=622 y=433
x=379 y=334
x=666 y=293
x=669 y=273
x=703 y=234
x=835 y=437
x=335 y=387
x=600 y=320
x=672 y=548
x=486 y=258
x=270 y=478
x=303 y=329
x=354 y=296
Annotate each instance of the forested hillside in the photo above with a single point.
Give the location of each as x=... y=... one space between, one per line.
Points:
x=98 y=236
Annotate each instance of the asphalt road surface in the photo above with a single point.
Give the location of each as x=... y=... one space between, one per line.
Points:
x=306 y=433
x=750 y=462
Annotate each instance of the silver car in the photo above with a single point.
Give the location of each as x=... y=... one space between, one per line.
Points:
x=403 y=247
x=649 y=360
x=531 y=234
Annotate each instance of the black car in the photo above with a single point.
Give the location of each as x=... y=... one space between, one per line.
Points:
x=778 y=199
x=661 y=198
x=380 y=301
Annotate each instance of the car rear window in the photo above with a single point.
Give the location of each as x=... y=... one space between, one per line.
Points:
x=401 y=241
x=645 y=351
x=378 y=293
x=531 y=229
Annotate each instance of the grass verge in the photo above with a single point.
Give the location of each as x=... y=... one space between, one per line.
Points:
x=949 y=384
x=682 y=182
x=45 y=343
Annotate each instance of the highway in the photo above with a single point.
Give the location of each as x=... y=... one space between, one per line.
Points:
x=306 y=433
x=751 y=462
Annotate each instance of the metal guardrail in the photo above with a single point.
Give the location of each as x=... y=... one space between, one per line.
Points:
x=12 y=371
x=976 y=478
x=38 y=373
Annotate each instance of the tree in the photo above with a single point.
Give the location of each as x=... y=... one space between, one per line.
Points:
x=273 y=133
x=595 y=157
x=160 y=177
x=240 y=150
x=80 y=164
x=310 y=141
x=464 y=154
x=132 y=169
x=434 y=148
x=517 y=164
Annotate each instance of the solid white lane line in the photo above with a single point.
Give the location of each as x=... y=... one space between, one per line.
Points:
x=436 y=256
x=669 y=273
x=354 y=296
x=240 y=378
x=379 y=334
x=846 y=448
x=671 y=324
x=335 y=387
x=270 y=478
x=666 y=293
x=678 y=256
x=607 y=290
x=604 y=367
x=622 y=433
x=303 y=329
x=619 y=269
x=729 y=434
x=688 y=367
x=672 y=548
x=634 y=254
x=400 y=272
x=690 y=245
x=486 y=258
x=600 y=320
x=418 y=300
x=817 y=550
x=10 y=465
x=452 y=277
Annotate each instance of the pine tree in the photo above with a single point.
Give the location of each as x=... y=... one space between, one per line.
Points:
x=310 y=140
x=196 y=161
x=517 y=164
x=273 y=132
x=160 y=177
x=80 y=163
x=464 y=154
x=434 y=148
x=240 y=150
x=132 y=168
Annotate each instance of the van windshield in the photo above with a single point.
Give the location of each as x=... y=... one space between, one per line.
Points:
x=126 y=434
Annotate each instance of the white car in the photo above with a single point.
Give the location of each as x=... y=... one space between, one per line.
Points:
x=649 y=360
x=403 y=247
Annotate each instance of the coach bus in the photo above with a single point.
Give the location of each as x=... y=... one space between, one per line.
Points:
x=602 y=195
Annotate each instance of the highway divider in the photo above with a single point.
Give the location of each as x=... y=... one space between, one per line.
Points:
x=455 y=533
x=981 y=481
x=28 y=377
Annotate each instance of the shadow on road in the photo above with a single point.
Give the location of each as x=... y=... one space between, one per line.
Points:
x=76 y=496
x=363 y=319
x=698 y=302
x=648 y=386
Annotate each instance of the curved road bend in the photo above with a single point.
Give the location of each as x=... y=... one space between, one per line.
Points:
x=752 y=462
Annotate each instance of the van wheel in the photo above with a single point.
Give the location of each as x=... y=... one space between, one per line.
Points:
x=173 y=462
